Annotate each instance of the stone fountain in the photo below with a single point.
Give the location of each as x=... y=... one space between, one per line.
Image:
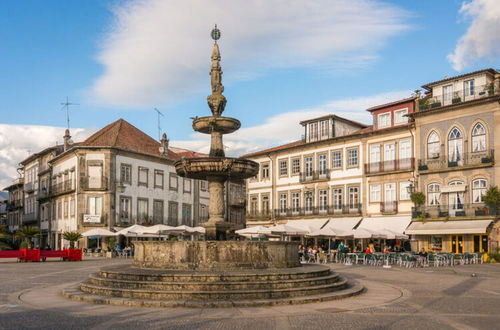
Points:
x=217 y=168
x=215 y=272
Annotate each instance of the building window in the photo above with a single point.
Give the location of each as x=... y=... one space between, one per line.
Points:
x=403 y=191
x=352 y=157
x=94 y=171
x=313 y=131
x=433 y=194
x=186 y=185
x=323 y=199
x=478 y=138
x=389 y=192
x=265 y=204
x=322 y=164
x=126 y=173
x=447 y=93
x=283 y=167
x=400 y=116
x=469 y=87
x=478 y=190
x=375 y=153
x=295 y=201
x=142 y=210
x=405 y=151
x=384 y=120
x=353 y=197
x=159 y=179
x=337 y=198
x=283 y=202
x=295 y=166
x=336 y=159
x=125 y=208
x=173 y=213
x=158 y=211
x=309 y=166
x=253 y=205
x=173 y=181
x=433 y=145
x=455 y=143
x=374 y=193
x=323 y=129
x=66 y=209
x=308 y=201
x=264 y=174
x=203 y=185
x=72 y=207
x=389 y=152
x=94 y=206
x=186 y=214
x=143 y=176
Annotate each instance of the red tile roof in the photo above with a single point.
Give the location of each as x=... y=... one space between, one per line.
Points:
x=121 y=134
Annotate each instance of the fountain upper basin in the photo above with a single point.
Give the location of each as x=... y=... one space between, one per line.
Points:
x=224 y=125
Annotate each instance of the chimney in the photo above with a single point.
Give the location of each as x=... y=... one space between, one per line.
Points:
x=67 y=140
x=164 y=145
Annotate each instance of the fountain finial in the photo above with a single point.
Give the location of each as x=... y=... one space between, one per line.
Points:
x=216 y=101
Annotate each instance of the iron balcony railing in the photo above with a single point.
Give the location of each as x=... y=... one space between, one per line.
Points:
x=452 y=211
x=14 y=204
x=456 y=97
x=466 y=159
x=29 y=187
x=94 y=183
x=389 y=207
x=314 y=175
x=329 y=210
x=62 y=187
x=30 y=217
x=390 y=165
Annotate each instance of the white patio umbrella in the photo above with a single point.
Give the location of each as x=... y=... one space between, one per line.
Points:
x=290 y=230
x=198 y=230
x=98 y=232
x=248 y=232
x=389 y=234
x=156 y=229
x=132 y=231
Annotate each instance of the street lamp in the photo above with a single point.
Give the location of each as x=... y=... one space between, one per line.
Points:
x=410 y=188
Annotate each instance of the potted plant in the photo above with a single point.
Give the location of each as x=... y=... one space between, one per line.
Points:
x=453 y=164
x=423 y=167
x=423 y=104
x=72 y=237
x=487 y=159
x=456 y=98
x=27 y=234
x=418 y=199
x=481 y=211
x=492 y=199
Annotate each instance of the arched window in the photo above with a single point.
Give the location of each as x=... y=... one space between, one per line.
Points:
x=433 y=194
x=455 y=145
x=478 y=190
x=433 y=145
x=478 y=138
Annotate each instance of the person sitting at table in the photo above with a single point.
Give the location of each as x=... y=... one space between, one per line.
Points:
x=423 y=253
x=368 y=250
x=387 y=249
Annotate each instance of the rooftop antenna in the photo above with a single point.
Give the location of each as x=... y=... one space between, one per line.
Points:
x=65 y=105
x=159 y=128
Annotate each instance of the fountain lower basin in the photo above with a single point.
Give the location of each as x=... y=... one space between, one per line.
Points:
x=203 y=167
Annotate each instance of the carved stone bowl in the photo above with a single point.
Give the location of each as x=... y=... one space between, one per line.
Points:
x=201 y=168
x=224 y=125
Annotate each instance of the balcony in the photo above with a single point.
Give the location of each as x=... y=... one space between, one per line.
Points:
x=389 y=207
x=404 y=164
x=14 y=205
x=43 y=193
x=62 y=188
x=259 y=215
x=453 y=211
x=327 y=210
x=30 y=217
x=29 y=187
x=479 y=92
x=446 y=163
x=94 y=183
x=314 y=176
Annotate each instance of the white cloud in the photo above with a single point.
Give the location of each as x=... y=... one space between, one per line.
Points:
x=17 y=142
x=482 y=39
x=285 y=127
x=158 y=51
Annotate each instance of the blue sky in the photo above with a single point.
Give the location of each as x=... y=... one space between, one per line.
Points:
x=120 y=59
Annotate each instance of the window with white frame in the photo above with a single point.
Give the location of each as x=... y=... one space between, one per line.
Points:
x=142 y=210
x=455 y=145
x=404 y=195
x=283 y=202
x=389 y=192
x=337 y=159
x=469 y=87
x=400 y=116
x=283 y=167
x=374 y=193
x=375 y=153
x=94 y=205
x=125 y=208
x=308 y=200
x=353 y=197
x=384 y=120
x=143 y=176
x=323 y=199
x=126 y=173
x=338 y=199
x=389 y=152
x=72 y=206
x=264 y=173
x=352 y=157
x=66 y=208
x=323 y=129
x=405 y=151
x=322 y=164
x=295 y=201
x=447 y=93
x=309 y=165
x=265 y=204
x=313 y=131
x=295 y=166
x=433 y=145
x=478 y=138
x=433 y=194
x=478 y=190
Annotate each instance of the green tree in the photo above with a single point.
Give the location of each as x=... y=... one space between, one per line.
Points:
x=27 y=234
x=418 y=198
x=72 y=237
x=4 y=238
x=492 y=198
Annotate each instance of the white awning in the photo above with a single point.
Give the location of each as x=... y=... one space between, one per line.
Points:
x=308 y=224
x=448 y=227
x=454 y=188
x=343 y=224
x=396 y=225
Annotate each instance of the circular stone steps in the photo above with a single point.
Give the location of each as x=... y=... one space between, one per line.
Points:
x=126 y=285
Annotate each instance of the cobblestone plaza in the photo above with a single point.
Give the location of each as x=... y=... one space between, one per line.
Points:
x=416 y=298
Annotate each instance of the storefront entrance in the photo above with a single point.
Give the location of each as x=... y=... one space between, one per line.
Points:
x=480 y=243
x=457 y=243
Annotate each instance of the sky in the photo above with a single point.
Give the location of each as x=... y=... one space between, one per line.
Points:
x=283 y=60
